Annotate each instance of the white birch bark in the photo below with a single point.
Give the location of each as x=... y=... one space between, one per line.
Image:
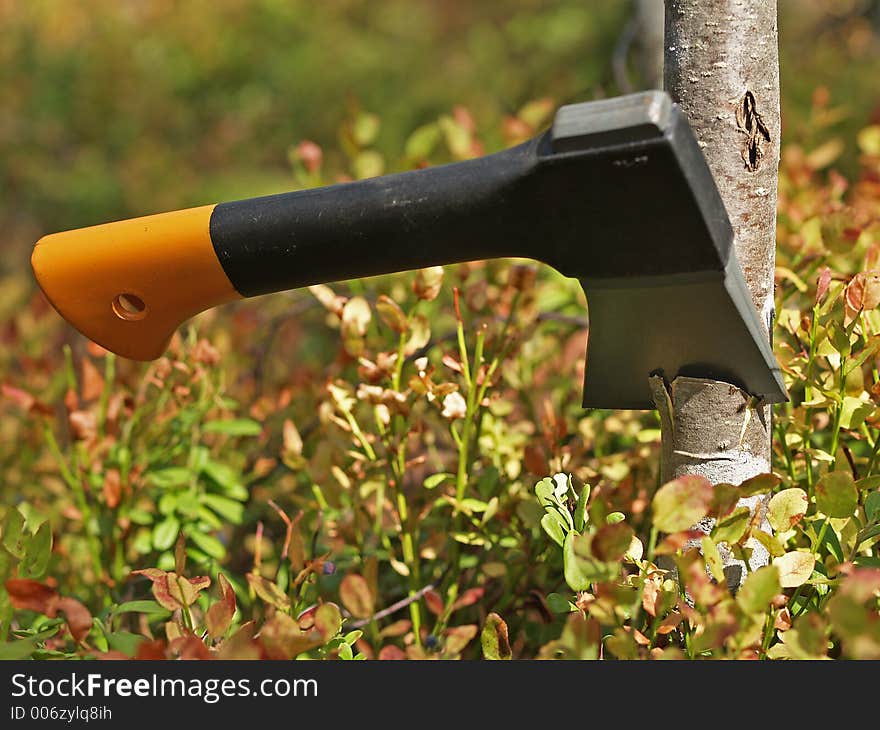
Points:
x=722 y=68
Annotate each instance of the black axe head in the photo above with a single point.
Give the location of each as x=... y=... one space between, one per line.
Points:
x=669 y=295
x=616 y=194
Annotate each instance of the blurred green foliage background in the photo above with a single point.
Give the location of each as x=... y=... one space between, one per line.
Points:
x=112 y=108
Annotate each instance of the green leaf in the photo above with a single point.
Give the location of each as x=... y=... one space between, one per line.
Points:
x=435 y=480
x=760 y=484
x=867 y=483
x=681 y=503
x=37 y=553
x=235 y=427
x=494 y=639
x=228 y=509
x=713 y=559
x=854 y=411
x=149 y=607
x=227 y=478
x=208 y=543
x=770 y=542
x=581 y=567
x=165 y=533
x=365 y=128
x=787 y=508
x=830 y=543
x=559 y=603
x=13 y=533
x=15 y=650
x=836 y=494
x=126 y=642
x=173 y=476
x=872 y=507
x=580 y=512
x=732 y=528
x=760 y=587
x=577 y=579
x=869 y=533
x=553 y=528
x=422 y=141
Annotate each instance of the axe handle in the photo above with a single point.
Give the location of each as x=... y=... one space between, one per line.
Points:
x=128 y=285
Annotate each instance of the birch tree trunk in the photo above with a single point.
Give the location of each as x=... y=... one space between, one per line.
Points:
x=722 y=67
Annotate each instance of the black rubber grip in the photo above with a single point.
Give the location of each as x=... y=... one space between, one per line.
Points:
x=592 y=206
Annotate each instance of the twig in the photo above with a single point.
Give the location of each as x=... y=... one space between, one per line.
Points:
x=394 y=607
x=621 y=52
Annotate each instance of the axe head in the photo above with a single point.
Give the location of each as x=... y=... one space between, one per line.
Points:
x=668 y=297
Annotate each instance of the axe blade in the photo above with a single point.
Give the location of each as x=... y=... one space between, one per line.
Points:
x=639 y=327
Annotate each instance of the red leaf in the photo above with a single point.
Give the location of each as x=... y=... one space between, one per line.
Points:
x=861 y=294
x=354 y=591
x=92 y=381
x=469 y=598
x=220 y=614
x=21 y=398
x=112 y=488
x=83 y=425
x=434 y=602
x=151 y=650
x=390 y=652
x=161 y=591
x=31 y=595
x=310 y=155
x=25 y=400
x=111 y=655
x=190 y=647
x=823 y=283
x=78 y=618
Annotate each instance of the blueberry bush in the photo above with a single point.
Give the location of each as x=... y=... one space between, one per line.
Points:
x=399 y=467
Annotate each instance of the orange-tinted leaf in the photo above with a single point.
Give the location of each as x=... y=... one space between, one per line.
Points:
x=494 y=639
x=151 y=650
x=861 y=294
x=220 y=614
x=458 y=637
x=611 y=542
x=822 y=284
x=681 y=503
x=390 y=652
x=398 y=628
x=92 y=381
x=83 y=425
x=190 y=647
x=268 y=591
x=469 y=598
x=78 y=618
x=434 y=602
x=391 y=313
x=328 y=620
x=112 y=488
x=161 y=591
x=428 y=283
x=31 y=595
x=355 y=595
x=677 y=541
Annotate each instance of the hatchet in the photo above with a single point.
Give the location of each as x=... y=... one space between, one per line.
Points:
x=616 y=194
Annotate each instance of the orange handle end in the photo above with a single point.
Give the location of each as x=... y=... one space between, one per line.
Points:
x=128 y=285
